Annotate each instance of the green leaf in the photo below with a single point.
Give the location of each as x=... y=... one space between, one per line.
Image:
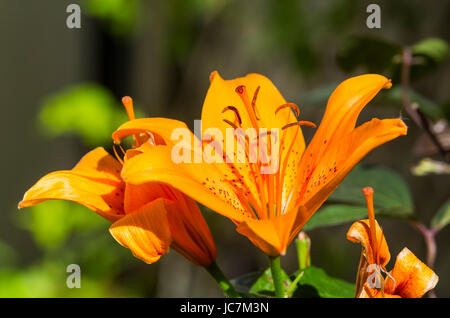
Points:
x=87 y=110
x=335 y=214
x=442 y=217
x=427 y=55
x=392 y=196
x=433 y=48
x=372 y=54
x=258 y=283
x=52 y=222
x=120 y=16
x=316 y=283
x=8 y=256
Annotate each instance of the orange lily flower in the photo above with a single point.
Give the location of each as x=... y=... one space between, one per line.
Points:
x=147 y=219
x=270 y=209
x=410 y=278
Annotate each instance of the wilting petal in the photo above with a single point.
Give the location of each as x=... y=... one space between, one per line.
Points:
x=359 y=232
x=368 y=292
x=272 y=236
x=94 y=182
x=412 y=277
x=191 y=236
x=160 y=127
x=145 y=232
x=200 y=181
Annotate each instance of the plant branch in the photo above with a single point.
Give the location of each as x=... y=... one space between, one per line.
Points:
x=430 y=242
x=429 y=237
x=414 y=112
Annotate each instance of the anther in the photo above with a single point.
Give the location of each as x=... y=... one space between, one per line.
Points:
x=230 y=123
x=293 y=106
x=236 y=113
x=255 y=96
x=240 y=89
x=300 y=123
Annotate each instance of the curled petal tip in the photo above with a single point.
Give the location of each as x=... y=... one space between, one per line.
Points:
x=211 y=76
x=388 y=84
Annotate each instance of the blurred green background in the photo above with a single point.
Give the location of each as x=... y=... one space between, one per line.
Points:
x=61 y=91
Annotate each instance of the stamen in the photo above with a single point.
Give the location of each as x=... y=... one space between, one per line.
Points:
x=263 y=134
x=300 y=123
x=283 y=170
x=151 y=138
x=293 y=106
x=127 y=101
x=242 y=92
x=368 y=193
x=249 y=195
x=117 y=155
x=255 y=96
x=236 y=113
x=230 y=123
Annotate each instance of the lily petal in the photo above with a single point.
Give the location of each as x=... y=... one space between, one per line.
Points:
x=342 y=157
x=272 y=236
x=162 y=127
x=200 y=181
x=222 y=93
x=412 y=277
x=145 y=232
x=343 y=109
x=191 y=236
x=94 y=182
x=137 y=196
x=359 y=232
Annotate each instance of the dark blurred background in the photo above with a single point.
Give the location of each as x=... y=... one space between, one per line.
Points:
x=60 y=95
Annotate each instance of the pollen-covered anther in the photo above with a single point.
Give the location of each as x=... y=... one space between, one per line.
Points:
x=230 y=123
x=255 y=96
x=300 y=123
x=265 y=134
x=235 y=111
x=292 y=106
x=241 y=89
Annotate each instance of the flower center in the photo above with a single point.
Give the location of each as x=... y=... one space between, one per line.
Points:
x=269 y=186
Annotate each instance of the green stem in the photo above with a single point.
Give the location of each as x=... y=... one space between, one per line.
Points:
x=275 y=267
x=222 y=281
